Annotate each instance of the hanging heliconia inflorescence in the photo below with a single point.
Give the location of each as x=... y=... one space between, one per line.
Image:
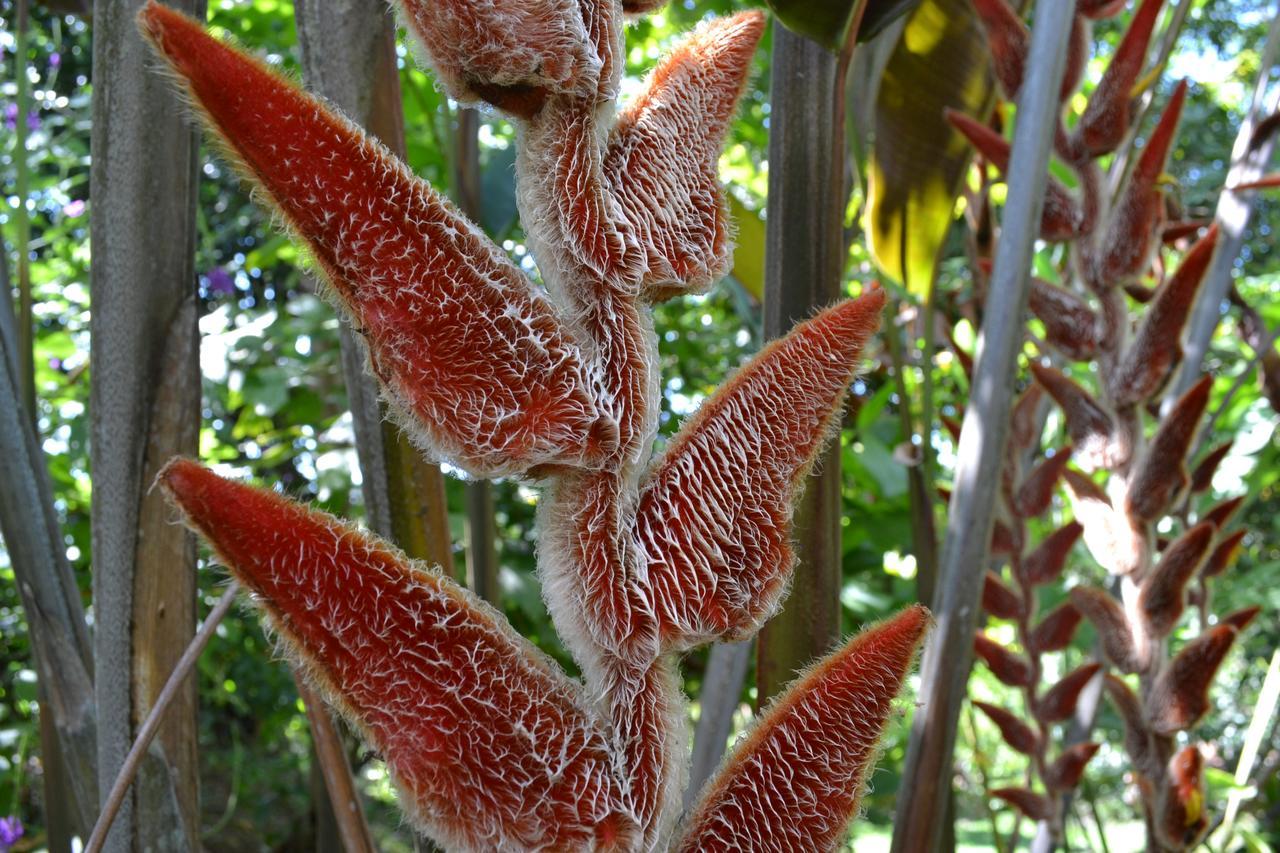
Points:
x=493 y=746
x=1131 y=476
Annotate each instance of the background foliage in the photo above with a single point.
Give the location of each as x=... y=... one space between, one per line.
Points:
x=275 y=409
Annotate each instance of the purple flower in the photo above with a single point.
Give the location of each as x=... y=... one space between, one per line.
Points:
x=10 y=831
x=33 y=120
x=72 y=209
x=55 y=59
x=220 y=282
x=11 y=116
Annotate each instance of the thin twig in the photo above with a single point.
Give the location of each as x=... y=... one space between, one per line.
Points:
x=150 y=726
x=332 y=755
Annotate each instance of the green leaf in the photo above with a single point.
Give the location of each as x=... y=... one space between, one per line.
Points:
x=880 y=14
x=918 y=161
x=748 y=251
x=825 y=21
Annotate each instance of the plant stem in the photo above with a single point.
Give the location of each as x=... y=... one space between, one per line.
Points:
x=348 y=811
x=151 y=726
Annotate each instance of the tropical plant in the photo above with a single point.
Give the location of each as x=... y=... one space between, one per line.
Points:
x=493 y=746
x=1132 y=481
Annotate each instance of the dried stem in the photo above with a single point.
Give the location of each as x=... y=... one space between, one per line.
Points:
x=151 y=725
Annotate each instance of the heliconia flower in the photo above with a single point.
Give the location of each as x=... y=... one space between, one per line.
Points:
x=1015 y=732
x=713 y=524
x=1062 y=216
x=639 y=7
x=1157 y=347
x=1003 y=539
x=1036 y=491
x=962 y=356
x=1059 y=701
x=1109 y=621
x=1162 y=474
x=1137 y=738
x=953 y=427
x=1025 y=423
x=1202 y=476
x=476 y=362
x=1032 y=805
x=1099 y=9
x=1241 y=618
x=1139 y=214
x=1067 y=770
x=1162 y=596
x=1174 y=232
x=1077 y=57
x=1070 y=326
x=1109 y=114
x=662 y=162
x=998 y=599
x=1220 y=514
x=1180 y=696
x=1045 y=563
x=512 y=54
x=1119 y=545
x=1012 y=669
x=491 y=744
x=793 y=783
x=1008 y=39
x=1223 y=555
x=1088 y=424
x=1054 y=632
x=1181 y=821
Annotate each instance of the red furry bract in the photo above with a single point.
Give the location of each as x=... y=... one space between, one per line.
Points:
x=510 y=53
x=664 y=153
x=794 y=781
x=465 y=348
x=492 y=744
x=714 y=520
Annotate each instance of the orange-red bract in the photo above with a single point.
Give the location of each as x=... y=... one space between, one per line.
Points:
x=664 y=153
x=714 y=517
x=491 y=743
x=478 y=363
x=795 y=780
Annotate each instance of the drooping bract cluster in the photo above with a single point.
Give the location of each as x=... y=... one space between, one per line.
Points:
x=640 y=559
x=1132 y=476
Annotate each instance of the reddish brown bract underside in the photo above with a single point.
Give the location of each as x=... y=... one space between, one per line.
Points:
x=492 y=745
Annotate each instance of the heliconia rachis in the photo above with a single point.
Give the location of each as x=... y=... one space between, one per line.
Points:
x=493 y=746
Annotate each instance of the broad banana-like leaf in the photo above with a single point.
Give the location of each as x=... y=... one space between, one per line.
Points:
x=919 y=160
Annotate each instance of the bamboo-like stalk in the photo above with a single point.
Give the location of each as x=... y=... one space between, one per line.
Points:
x=348 y=811
x=804 y=265
x=945 y=668
x=1263 y=712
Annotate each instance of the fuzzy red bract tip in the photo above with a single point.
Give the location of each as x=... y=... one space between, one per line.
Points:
x=795 y=780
